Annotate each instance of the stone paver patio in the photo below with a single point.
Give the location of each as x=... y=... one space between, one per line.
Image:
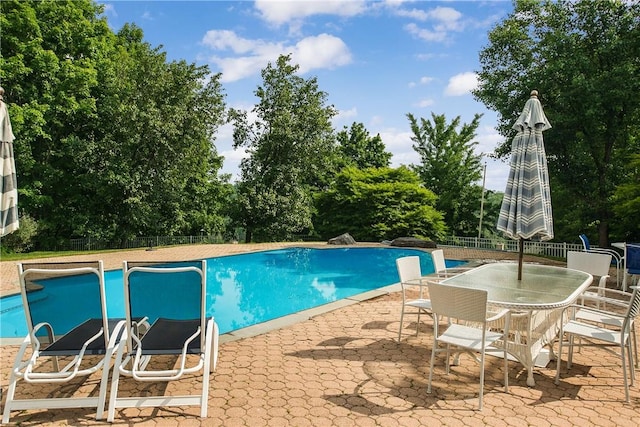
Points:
x=345 y=368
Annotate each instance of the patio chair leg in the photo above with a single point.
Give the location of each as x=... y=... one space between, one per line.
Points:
x=400 y=330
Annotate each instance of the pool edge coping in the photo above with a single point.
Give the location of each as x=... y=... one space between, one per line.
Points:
x=279 y=322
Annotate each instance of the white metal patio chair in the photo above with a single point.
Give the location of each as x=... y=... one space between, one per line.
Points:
x=440 y=265
x=410 y=278
x=611 y=304
x=83 y=339
x=180 y=328
x=467 y=329
x=603 y=336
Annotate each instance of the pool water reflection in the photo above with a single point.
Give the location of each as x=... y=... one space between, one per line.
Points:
x=246 y=289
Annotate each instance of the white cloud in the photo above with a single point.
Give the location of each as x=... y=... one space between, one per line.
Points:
x=423 y=81
x=497 y=170
x=497 y=174
x=428 y=35
x=461 y=84
x=445 y=20
x=430 y=56
x=488 y=139
x=344 y=116
x=323 y=51
x=423 y=103
x=400 y=145
x=417 y=14
x=310 y=53
x=234 y=69
x=225 y=39
x=279 y=12
x=110 y=9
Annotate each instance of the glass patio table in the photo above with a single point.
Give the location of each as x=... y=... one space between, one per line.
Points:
x=535 y=303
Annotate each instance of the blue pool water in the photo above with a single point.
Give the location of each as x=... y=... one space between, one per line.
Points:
x=246 y=289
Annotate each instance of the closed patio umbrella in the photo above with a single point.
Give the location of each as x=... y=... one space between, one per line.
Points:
x=526 y=207
x=9 y=184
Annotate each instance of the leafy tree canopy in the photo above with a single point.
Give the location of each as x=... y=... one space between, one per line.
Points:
x=582 y=57
x=291 y=149
x=112 y=141
x=357 y=148
x=450 y=168
x=376 y=204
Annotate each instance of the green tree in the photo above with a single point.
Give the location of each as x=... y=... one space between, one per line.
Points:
x=626 y=203
x=376 y=204
x=49 y=60
x=583 y=58
x=112 y=141
x=450 y=168
x=291 y=150
x=357 y=148
x=157 y=164
x=491 y=211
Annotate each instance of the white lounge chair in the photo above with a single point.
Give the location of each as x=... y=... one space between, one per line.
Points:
x=84 y=338
x=179 y=328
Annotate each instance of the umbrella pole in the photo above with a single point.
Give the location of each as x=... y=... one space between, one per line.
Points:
x=520 y=256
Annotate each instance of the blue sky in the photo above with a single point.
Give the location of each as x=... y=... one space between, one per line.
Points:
x=377 y=60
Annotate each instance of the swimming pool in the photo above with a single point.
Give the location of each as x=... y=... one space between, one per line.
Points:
x=247 y=289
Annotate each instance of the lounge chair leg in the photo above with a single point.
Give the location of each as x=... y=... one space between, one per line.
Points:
x=115 y=378
x=10 y=395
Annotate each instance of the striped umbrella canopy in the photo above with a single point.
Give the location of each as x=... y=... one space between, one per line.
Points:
x=526 y=207
x=9 y=184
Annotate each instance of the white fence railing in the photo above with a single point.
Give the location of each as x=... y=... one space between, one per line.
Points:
x=556 y=250
x=89 y=244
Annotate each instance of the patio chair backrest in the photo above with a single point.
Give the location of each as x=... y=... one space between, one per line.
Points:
x=63 y=294
x=585 y=242
x=596 y=264
x=459 y=302
x=634 y=304
x=633 y=258
x=175 y=290
x=408 y=268
x=439 y=262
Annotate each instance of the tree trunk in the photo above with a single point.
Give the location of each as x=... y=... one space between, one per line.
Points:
x=603 y=234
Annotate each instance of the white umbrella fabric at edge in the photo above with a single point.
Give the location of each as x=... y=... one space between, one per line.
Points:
x=526 y=207
x=9 y=189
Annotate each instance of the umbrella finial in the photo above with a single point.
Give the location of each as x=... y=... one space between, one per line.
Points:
x=534 y=93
